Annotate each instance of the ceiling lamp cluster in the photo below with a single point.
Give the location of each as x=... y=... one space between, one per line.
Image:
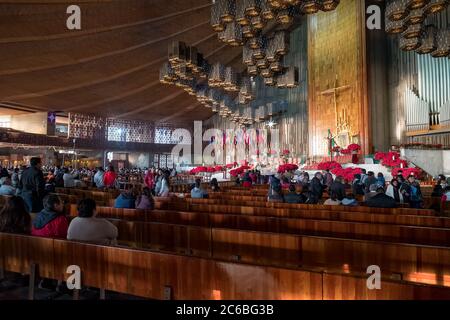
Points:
x=215 y=86
x=407 y=18
x=242 y=23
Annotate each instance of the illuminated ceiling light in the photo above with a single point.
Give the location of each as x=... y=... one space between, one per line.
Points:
x=252 y=70
x=231 y=80
x=413 y=31
x=177 y=53
x=258 y=54
x=276 y=66
x=262 y=63
x=267 y=11
x=329 y=5
x=241 y=17
x=415 y=16
x=217 y=75
x=397 y=10
x=428 y=40
x=252 y=8
x=394 y=27
x=443 y=44
x=247 y=56
x=271 y=123
x=409 y=44
x=416 y=4
x=257 y=23
x=281 y=43
x=216 y=21
x=270 y=81
x=435 y=6
x=227 y=9
x=286 y=16
x=310 y=6
x=167 y=74
x=257 y=42
x=248 y=32
x=277 y=4
x=266 y=73
x=233 y=34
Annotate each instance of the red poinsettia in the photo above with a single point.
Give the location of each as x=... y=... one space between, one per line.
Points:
x=406 y=172
x=336 y=149
x=287 y=167
x=347 y=173
x=329 y=165
x=286 y=152
x=354 y=147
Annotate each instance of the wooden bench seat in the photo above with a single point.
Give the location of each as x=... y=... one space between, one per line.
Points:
x=161 y=276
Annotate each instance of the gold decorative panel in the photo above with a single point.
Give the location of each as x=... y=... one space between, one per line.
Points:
x=337 y=80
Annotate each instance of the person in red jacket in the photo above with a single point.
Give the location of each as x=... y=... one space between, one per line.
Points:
x=150 y=179
x=110 y=177
x=51 y=221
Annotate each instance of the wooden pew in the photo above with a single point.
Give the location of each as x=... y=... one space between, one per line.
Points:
x=162 y=276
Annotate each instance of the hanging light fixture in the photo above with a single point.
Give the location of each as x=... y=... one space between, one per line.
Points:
x=257 y=42
x=252 y=70
x=177 y=53
x=248 y=32
x=227 y=9
x=394 y=27
x=310 y=6
x=415 y=16
x=257 y=22
x=252 y=7
x=329 y=5
x=413 y=31
x=258 y=54
x=217 y=75
x=167 y=74
x=435 y=6
x=231 y=80
x=409 y=44
x=397 y=10
x=241 y=16
x=276 y=4
x=286 y=16
x=276 y=66
x=443 y=44
x=416 y=4
x=247 y=56
x=262 y=63
x=270 y=81
x=192 y=57
x=281 y=43
x=428 y=40
x=266 y=73
x=267 y=11
x=233 y=34
x=216 y=20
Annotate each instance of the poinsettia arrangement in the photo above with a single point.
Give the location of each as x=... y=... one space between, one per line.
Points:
x=347 y=173
x=406 y=172
x=203 y=169
x=287 y=167
x=329 y=165
x=391 y=159
x=238 y=171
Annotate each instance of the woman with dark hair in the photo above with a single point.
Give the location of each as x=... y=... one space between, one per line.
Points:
x=145 y=200
x=109 y=178
x=14 y=217
x=51 y=221
x=393 y=191
x=214 y=185
x=86 y=227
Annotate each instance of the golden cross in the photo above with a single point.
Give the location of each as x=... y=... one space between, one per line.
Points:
x=335 y=91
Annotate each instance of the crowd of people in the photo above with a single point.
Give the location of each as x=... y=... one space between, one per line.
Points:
x=373 y=189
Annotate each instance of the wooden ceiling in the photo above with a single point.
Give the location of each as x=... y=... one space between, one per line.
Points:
x=111 y=66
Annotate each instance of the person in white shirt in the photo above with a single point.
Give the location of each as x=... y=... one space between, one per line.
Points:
x=69 y=180
x=164 y=191
x=98 y=178
x=86 y=227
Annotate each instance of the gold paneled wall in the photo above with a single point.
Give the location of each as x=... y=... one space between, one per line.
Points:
x=337 y=81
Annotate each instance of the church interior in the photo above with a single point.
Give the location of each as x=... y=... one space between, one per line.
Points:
x=225 y=150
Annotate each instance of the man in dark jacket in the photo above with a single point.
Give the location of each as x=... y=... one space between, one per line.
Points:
x=32 y=185
x=381 y=200
x=293 y=196
x=369 y=181
x=412 y=193
x=315 y=189
x=338 y=188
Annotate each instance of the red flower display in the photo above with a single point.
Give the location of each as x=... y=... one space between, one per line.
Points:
x=406 y=172
x=287 y=167
x=347 y=173
x=286 y=152
x=354 y=147
x=329 y=165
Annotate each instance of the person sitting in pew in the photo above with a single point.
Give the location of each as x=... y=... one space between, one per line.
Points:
x=441 y=184
x=393 y=191
x=87 y=227
x=381 y=200
x=316 y=189
x=372 y=192
x=197 y=192
x=349 y=201
x=14 y=217
x=275 y=190
x=333 y=200
x=338 y=188
x=125 y=200
x=214 y=185
x=145 y=200
x=293 y=197
x=69 y=179
x=6 y=188
x=51 y=221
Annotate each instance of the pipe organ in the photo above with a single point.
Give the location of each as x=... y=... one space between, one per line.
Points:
x=434 y=84
x=445 y=115
x=417 y=112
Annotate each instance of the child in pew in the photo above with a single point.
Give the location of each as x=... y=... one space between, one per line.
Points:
x=88 y=228
x=145 y=200
x=14 y=217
